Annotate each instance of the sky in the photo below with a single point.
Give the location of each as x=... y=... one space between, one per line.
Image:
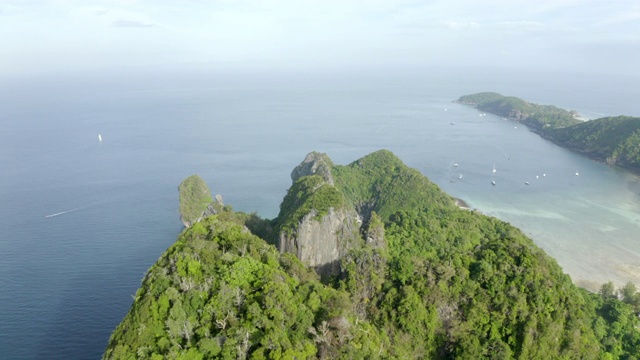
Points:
x=83 y=35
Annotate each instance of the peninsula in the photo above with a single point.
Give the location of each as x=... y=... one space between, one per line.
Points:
x=614 y=140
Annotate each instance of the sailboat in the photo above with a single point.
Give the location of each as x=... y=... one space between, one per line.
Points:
x=100 y=137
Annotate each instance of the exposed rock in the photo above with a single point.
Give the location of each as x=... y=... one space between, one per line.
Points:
x=212 y=209
x=321 y=238
x=374 y=236
x=196 y=202
x=320 y=243
x=314 y=163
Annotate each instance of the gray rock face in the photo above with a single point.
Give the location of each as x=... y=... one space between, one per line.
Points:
x=375 y=236
x=314 y=163
x=320 y=243
x=211 y=209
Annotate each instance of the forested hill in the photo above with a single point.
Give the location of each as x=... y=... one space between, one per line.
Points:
x=615 y=140
x=533 y=115
x=420 y=279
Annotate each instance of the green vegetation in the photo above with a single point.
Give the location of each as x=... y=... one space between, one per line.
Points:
x=307 y=194
x=533 y=115
x=449 y=283
x=615 y=140
x=222 y=292
x=194 y=198
x=475 y=99
x=380 y=182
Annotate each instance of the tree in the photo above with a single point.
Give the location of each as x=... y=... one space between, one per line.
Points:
x=607 y=291
x=629 y=294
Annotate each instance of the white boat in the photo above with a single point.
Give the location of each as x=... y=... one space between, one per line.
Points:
x=494 y=168
x=456 y=164
x=100 y=137
x=526 y=183
x=577 y=174
x=460 y=177
x=493 y=182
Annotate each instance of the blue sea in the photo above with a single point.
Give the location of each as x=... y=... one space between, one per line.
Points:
x=81 y=220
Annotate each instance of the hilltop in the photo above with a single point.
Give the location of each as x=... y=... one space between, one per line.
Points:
x=367 y=260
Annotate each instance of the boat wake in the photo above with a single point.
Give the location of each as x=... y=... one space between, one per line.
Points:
x=381 y=128
x=87 y=206
x=61 y=213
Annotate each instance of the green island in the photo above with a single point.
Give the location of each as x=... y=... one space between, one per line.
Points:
x=368 y=260
x=614 y=140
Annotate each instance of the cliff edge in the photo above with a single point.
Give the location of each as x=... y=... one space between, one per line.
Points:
x=196 y=202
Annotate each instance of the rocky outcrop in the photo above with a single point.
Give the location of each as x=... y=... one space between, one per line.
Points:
x=374 y=235
x=320 y=243
x=319 y=224
x=196 y=202
x=212 y=209
x=314 y=163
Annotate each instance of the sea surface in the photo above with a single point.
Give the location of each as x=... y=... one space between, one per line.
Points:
x=81 y=221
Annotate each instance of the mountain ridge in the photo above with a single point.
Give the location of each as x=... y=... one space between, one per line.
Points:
x=423 y=279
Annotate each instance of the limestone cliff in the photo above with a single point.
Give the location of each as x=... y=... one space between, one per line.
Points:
x=321 y=242
x=314 y=163
x=374 y=234
x=319 y=223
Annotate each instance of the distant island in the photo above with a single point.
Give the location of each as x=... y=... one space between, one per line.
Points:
x=614 y=140
x=368 y=260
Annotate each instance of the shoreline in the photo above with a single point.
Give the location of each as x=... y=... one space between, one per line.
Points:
x=462 y=204
x=584 y=282
x=547 y=136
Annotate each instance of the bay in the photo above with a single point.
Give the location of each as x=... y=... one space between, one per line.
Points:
x=81 y=221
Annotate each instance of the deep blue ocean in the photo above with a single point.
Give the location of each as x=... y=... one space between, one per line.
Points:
x=81 y=220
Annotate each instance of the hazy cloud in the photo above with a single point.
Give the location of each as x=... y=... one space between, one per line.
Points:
x=319 y=33
x=131 y=24
x=455 y=25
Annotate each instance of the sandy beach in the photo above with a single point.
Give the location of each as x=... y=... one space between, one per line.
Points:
x=461 y=204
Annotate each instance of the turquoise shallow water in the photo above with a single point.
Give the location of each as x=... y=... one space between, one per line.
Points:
x=66 y=280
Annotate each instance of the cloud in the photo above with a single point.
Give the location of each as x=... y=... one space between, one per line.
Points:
x=455 y=25
x=525 y=25
x=131 y=24
x=501 y=25
x=629 y=16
